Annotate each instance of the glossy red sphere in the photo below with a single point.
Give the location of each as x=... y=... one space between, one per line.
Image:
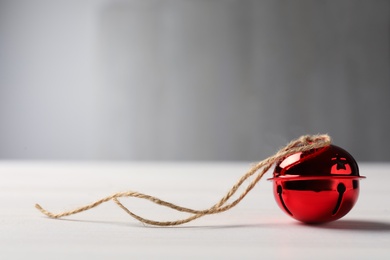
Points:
x=317 y=186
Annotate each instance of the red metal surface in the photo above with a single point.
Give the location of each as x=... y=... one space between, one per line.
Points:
x=318 y=186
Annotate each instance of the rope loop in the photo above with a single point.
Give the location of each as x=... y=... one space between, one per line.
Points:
x=301 y=144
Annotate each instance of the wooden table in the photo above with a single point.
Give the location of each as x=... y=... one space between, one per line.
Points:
x=254 y=229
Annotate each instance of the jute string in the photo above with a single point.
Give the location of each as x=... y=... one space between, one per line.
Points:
x=302 y=144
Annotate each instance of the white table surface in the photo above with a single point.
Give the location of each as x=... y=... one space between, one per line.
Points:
x=255 y=229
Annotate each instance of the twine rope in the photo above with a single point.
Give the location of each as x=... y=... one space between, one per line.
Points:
x=301 y=144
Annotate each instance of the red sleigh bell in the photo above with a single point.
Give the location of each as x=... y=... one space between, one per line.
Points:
x=317 y=186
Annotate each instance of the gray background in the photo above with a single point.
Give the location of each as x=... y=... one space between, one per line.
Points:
x=191 y=79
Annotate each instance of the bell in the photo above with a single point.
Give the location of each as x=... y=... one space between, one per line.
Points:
x=317 y=186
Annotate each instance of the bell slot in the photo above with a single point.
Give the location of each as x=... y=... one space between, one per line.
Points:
x=340 y=189
x=279 y=190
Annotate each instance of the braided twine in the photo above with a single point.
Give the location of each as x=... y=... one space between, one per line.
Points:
x=302 y=144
